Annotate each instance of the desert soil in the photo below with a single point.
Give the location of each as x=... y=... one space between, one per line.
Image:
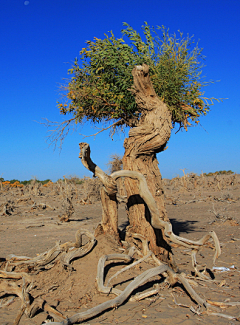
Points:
x=33 y=226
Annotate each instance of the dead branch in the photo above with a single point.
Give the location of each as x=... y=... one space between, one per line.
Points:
x=114 y=125
x=64 y=252
x=139 y=280
x=108 y=182
x=60 y=130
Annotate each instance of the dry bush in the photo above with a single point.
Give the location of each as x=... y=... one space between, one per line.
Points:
x=6 y=208
x=73 y=179
x=115 y=163
x=91 y=187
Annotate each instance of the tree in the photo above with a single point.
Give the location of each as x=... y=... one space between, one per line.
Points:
x=149 y=85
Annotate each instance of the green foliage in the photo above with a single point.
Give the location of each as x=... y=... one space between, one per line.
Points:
x=29 y=181
x=99 y=86
x=26 y=182
x=220 y=172
x=36 y=180
x=74 y=180
x=14 y=180
x=44 y=182
x=71 y=179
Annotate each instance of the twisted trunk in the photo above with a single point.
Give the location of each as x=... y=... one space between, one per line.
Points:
x=145 y=140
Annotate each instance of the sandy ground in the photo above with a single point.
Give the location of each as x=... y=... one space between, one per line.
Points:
x=33 y=227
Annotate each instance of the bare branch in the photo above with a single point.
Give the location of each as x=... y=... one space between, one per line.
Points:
x=60 y=130
x=114 y=125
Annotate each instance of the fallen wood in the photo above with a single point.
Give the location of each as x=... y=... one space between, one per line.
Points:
x=139 y=280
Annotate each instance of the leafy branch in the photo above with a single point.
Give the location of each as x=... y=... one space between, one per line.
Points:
x=100 y=81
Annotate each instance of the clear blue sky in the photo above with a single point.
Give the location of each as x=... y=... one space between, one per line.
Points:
x=41 y=38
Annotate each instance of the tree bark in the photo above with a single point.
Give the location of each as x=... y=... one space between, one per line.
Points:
x=145 y=140
x=109 y=222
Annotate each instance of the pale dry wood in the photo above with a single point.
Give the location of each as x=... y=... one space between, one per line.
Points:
x=109 y=222
x=7 y=287
x=141 y=296
x=19 y=316
x=100 y=272
x=109 y=184
x=6 y=303
x=12 y=288
x=38 y=261
x=76 y=250
x=223 y=304
x=139 y=280
x=14 y=275
x=158 y=223
x=65 y=252
x=222 y=315
x=128 y=267
x=67 y=255
x=146 y=138
x=172 y=276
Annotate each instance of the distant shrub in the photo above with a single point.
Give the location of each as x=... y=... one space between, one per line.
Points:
x=46 y=181
x=12 y=181
x=16 y=181
x=72 y=179
x=115 y=163
x=192 y=175
x=5 y=183
x=92 y=187
x=26 y=182
x=49 y=183
x=16 y=184
x=79 y=181
x=220 y=172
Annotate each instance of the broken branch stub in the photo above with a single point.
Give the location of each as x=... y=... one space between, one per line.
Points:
x=109 y=183
x=109 y=222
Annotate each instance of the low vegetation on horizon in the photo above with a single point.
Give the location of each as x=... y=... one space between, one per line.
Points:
x=76 y=180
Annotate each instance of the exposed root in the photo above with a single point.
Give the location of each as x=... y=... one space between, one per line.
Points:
x=64 y=252
x=123 y=295
x=67 y=252
x=167 y=226
x=139 y=280
x=30 y=309
x=100 y=272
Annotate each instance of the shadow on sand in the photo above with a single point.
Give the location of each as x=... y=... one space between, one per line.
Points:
x=182 y=226
x=177 y=226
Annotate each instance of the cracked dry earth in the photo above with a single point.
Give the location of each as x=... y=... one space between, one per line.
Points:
x=33 y=227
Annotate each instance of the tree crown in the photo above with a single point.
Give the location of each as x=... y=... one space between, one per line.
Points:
x=99 y=87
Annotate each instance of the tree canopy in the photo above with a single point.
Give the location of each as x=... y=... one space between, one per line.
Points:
x=100 y=81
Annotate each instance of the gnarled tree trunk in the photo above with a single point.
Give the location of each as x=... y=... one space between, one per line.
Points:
x=145 y=140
